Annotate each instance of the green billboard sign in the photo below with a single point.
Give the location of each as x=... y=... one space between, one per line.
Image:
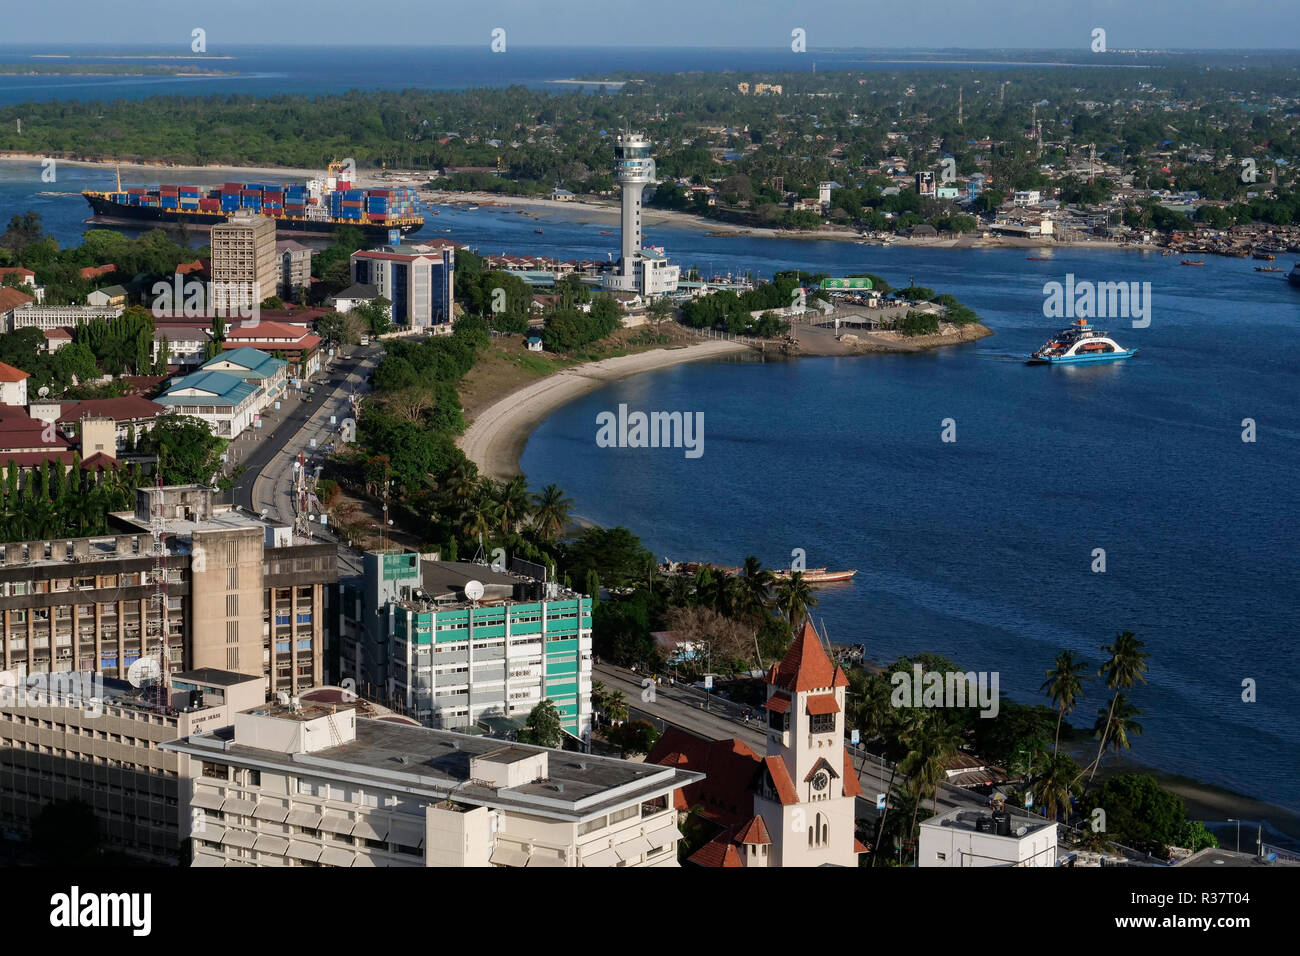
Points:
x=856 y=283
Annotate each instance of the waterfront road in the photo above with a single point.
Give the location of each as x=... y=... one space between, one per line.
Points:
x=683 y=706
x=266 y=483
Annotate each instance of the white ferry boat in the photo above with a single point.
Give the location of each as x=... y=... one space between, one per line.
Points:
x=1080 y=344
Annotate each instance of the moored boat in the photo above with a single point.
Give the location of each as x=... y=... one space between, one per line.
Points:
x=1294 y=275
x=1191 y=262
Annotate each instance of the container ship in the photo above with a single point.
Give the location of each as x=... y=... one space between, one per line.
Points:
x=318 y=207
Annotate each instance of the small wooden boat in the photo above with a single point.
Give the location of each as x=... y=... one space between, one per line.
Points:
x=538 y=231
x=1191 y=262
x=1265 y=256
x=606 y=232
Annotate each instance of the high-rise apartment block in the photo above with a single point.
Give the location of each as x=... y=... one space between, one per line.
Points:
x=245 y=267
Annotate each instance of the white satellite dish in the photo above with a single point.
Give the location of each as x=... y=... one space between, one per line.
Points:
x=144 y=671
x=473 y=590
x=43 y=391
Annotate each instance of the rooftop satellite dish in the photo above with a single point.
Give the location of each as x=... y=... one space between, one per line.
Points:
x=43 y=391
x=144 y=671
x=474 y=590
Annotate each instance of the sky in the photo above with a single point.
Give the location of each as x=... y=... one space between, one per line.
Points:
x=969 y=24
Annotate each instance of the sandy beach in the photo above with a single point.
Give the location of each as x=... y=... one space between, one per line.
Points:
x=495 y=440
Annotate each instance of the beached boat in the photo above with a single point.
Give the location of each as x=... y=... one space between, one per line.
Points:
x=817 y=575
x=1079 y=344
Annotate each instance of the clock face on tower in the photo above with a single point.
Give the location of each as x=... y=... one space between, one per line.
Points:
x=820 y=780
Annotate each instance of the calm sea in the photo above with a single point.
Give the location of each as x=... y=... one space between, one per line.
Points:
x=272 y=70
x=980 y=549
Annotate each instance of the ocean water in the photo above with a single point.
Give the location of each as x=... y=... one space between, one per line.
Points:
x=982 y=549
x=271 y=70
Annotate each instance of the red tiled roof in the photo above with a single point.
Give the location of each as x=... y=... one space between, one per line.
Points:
x=94 y=272
x=16 y=270
x=11 y=298
x=126 y=408
x=852 y=786
x=185 y=268
x=821 y=764
x=859 y=846
x=806 y=665
x=10 y=374
x=58 y=333
x=730 y=766
x=779 y=703
x=34 y=459
x=819 y=705
x=755 y=831
x=781 y=781
x=718 y=852
x=100 y=462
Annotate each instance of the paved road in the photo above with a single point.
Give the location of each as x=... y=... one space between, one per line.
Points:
x=268 y=453
x=681 y=705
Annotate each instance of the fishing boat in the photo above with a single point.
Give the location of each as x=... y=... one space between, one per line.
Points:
x=1268 y=269
x=1266 y=256
x=1039 y=258
x=1191 y=262
x=538 y=231
x=817 y=575
x=1079 y=344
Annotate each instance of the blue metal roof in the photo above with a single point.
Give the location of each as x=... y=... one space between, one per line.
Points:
x=222 y=388
x=258 y=364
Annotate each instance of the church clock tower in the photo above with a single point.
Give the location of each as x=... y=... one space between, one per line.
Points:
x=807 y=786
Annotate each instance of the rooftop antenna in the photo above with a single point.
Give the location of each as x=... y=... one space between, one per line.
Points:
x=959 y=91
x=158 y=529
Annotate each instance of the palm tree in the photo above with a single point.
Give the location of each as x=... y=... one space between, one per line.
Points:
x=680 y=589
x=616 y=707
x=1126 y=666
x=756 y=586
x=482 y=513
x=924 y=765
x=794 y=596
x=551 y=512
x=1064 y=685
x=1115 y=726
x=1054 y=785
x=515 y=507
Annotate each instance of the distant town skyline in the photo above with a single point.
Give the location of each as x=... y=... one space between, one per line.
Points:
x=839 y=24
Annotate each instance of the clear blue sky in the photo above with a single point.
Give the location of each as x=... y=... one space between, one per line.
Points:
x=1057 y=24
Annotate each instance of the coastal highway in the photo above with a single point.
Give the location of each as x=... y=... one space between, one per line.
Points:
x=266 y=484
x=682 y=706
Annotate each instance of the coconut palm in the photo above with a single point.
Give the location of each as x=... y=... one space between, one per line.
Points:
x=1115 y=725
x=616 y=707
x=1055 y=782
x=1126 y=666
x=756 y=586
x=482 y=513
x=551 y=512
x=931 y=746
x=514 y=505
x=795 y=597
x=1064 y=685
x=680 y=590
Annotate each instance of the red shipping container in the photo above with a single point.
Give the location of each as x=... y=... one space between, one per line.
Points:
x=344 y=184
x=210 y=204
x=233 y=187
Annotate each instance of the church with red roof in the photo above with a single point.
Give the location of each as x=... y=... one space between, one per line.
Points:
x=793 y=806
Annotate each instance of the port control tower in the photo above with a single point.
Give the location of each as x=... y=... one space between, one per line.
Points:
x=638 y=270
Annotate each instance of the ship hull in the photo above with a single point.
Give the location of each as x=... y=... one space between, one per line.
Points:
x=114 y=213
x=1092 y=359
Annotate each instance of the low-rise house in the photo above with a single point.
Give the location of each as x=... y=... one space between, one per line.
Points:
x=299 y=345
x=963 y=838
x=13 y=386
x=11 y=300
x=110 y=295
x=132 y=416
x=269 y=375
x=28 y=279
x=226 y=402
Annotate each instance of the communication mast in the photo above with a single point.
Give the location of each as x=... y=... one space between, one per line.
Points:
x=158 y=624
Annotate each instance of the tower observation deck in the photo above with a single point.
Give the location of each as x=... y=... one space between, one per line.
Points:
x=637 y=271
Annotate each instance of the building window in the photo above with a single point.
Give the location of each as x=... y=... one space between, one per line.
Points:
x=822 y=724
x=217 y=771
x=232 y=605
x=778 y=721
x=232 y=658
x=232 y=632
x=232 y=578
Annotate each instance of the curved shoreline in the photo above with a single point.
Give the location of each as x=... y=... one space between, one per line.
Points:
x=496 y=439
